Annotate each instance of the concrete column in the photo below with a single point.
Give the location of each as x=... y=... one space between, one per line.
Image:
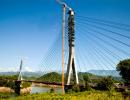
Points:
x=71 y=68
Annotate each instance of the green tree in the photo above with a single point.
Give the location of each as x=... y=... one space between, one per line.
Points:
x=76 y=88
x=105 y=83
x=124 y=70
x=86 y=80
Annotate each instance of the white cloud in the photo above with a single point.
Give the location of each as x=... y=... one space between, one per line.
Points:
x=7 y=69
x=15 y=69
x=29 y=69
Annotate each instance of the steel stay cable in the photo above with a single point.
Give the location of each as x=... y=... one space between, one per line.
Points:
x=51 y=53
x=107 y=50
x=101 y=28
x=101 y=46
x=110 y=22
x=78 y=50
x=108 y=43
x=105 y=24
x=97 y=61
x=96 y=52
x=109 y=37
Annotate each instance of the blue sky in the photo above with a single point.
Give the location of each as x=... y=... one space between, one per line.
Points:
x=29 y=27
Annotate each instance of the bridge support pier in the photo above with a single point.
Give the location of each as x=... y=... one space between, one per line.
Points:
x=18 y=81
x=17 y=87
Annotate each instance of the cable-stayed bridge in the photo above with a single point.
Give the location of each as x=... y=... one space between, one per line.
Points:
x=87 y=44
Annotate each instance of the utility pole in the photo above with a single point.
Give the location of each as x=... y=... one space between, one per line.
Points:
x=63 y=33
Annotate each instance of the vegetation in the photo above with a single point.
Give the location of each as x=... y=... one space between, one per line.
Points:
x=4 y=96
x=124 y=68
x=10 y=77
x=76 y=88
x=52 y=90
x=9 y=81
x=88 y=77
x=105 y=83
x=50 y=77
x=87 y=95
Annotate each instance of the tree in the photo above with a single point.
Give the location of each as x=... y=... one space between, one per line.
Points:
x=76 y=88
x=105 y=83
x=124 y=70
x=87 y=80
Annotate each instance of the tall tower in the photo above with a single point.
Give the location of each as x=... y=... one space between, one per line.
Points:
x=71 y=68
x=19 y=80
x=20 y=69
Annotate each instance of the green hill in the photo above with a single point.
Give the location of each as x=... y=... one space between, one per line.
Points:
x=50 y=77
x=83 y=76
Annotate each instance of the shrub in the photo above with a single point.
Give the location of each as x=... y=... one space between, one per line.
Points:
x=87 y=87
x=76 y=88
x=52 y=90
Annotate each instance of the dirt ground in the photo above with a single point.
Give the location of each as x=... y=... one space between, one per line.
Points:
x=9 y=90
x=6 y=90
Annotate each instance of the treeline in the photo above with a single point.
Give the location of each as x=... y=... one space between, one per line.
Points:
x=50 y=77
x=83 y=77
x=89 y=81
x=9 y=81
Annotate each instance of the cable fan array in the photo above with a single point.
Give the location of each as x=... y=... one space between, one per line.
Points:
x=102 y=44
x=99 y=45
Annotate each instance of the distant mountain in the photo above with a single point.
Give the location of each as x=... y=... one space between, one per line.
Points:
x=8 y=73
x=38 y=74
x=26 y=74
x=105 y=72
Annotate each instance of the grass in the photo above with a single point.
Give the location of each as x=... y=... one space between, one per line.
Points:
x=88 y=95
x=4 y=96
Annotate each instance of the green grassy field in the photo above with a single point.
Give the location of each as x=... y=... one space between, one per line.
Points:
x=88 y=95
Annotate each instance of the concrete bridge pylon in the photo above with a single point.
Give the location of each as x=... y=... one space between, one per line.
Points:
x=71 y=67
